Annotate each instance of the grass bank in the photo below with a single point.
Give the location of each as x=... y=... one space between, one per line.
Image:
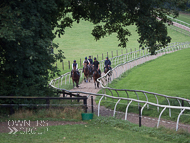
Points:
x=102 y=130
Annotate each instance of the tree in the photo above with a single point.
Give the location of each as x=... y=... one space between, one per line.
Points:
x=29 y=26
x=149 y=17
x=25 y=45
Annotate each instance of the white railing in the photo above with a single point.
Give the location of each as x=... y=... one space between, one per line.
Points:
x=133 y=100
x=180 y=22
x=180 y=29
x=133 y=57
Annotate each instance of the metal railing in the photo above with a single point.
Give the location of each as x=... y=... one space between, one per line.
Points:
x=121 y=68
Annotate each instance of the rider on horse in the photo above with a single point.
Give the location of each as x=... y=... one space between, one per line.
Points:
x=96 y=66
x=90 y=63
x=90 y=60
x=75 y=65
x=85 y=61
x=107 y=63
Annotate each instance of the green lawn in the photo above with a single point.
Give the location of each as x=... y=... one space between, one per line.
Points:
x=101 y=130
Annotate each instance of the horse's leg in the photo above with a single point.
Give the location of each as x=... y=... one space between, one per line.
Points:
x=98 y=84
x=95 y=84
x=77 y=84
x=87 y=78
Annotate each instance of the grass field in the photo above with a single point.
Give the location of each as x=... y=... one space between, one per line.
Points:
x=78 y=43
x=101 y=130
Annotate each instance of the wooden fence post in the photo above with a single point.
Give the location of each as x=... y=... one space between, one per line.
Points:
x=135 y=53
x=140 y=116
x=69 y=64
x=63 y=65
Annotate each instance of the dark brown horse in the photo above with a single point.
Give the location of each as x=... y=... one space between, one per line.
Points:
x=75 y=77
x=86 y=72
x=106 y=69
x=96 y=75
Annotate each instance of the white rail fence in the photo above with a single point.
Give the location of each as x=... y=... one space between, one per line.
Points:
x=184 y=24
x=124 y=63
x=179 y=29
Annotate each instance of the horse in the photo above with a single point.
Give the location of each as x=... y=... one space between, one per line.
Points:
x=90 y=72
x=86 y=72
x=75 y=77
x=106 y=69
x=96 y=75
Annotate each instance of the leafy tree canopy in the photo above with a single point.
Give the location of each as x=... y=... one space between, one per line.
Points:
x=26 y=32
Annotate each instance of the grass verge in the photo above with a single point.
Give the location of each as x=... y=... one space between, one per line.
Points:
x=102 y=130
